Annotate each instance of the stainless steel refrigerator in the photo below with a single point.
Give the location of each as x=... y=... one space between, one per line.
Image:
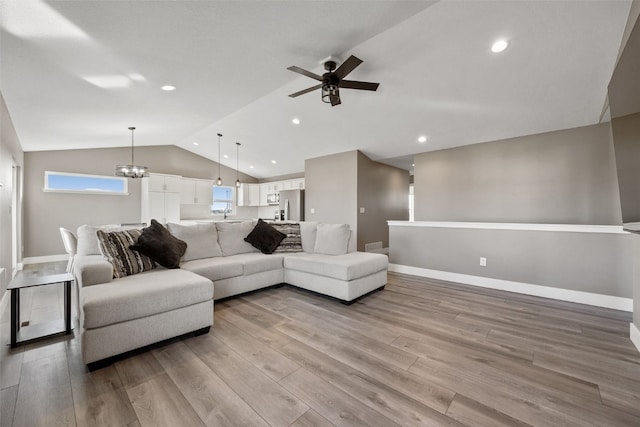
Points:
x=292 y=205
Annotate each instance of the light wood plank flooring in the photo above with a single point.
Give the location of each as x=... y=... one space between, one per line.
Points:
x=421 y=352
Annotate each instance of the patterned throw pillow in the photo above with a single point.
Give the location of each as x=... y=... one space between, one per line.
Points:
x=293 y=241
x=115 y=247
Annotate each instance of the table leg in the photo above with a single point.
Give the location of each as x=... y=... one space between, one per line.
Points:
x=15 y=316
x=67 y=307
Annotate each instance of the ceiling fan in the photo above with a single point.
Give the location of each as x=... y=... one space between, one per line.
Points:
x=332 y=80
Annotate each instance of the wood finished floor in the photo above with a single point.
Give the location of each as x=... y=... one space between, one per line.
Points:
x=421 y=352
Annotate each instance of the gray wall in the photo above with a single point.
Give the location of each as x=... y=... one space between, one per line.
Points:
x=44 y=212
x=589 y=262
x=567 y=176
x=331 y=188
x=564 y=177
x=383 y=191
x=10 y=153
x=626 y=134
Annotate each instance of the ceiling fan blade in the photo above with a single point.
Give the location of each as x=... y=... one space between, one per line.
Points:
x=305 y=73
x=302 y=92
x=335 y=100
x=352 y=84
x=347 y=66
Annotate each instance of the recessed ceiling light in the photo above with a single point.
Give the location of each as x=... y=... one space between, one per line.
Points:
x=168 y=88
x=499 y=46
x=413 y=165
x=295 y=121
x=274 y=162
x=251 y=167
x=422 y=139
x=195 y=143
x=226 y=156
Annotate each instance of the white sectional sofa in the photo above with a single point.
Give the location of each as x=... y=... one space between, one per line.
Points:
x=123 y=314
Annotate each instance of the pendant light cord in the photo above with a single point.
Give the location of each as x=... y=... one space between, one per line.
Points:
x=132 y=129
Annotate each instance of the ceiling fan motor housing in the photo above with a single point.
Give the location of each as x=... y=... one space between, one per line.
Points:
x=330 y=65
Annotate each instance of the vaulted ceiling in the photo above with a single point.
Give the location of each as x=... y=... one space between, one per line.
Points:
x=76 y=74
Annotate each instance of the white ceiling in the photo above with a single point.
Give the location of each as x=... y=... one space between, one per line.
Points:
x=228 y=61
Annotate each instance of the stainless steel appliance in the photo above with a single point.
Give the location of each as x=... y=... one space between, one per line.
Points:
x=292 y=203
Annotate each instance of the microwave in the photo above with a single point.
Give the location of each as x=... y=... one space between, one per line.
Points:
x=273 y=198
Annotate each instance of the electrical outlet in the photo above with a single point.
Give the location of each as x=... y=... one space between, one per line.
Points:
x=361 y=210
x=313 y=210
x=483 y=261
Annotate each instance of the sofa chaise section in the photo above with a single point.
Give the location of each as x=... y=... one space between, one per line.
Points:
x=345 y=277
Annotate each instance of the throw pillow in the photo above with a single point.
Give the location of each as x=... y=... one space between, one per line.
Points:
x=156 y=242
x=114 y=246
x=264 y=237
x=201 y=240
x=88 y=237
x=308 y=231
x=293 y=241
x=332 y=239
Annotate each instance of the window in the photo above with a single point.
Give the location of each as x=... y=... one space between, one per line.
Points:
x=223 y=201
x=64 y=182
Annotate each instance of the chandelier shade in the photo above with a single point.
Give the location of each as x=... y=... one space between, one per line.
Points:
x=132 y=170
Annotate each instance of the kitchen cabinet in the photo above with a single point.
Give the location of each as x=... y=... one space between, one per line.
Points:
x=163 y=182
x=196 y=191
x=160 y=196
x=264 y=190
x=293 y=184
x=249 y=195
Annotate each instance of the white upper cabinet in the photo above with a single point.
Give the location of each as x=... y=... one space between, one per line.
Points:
x=196 y=191
x=249 y=195
x=164 y=183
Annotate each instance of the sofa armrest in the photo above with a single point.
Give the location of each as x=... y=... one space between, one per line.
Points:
x=91 y=270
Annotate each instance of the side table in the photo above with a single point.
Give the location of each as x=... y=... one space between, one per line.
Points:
x=19 y=335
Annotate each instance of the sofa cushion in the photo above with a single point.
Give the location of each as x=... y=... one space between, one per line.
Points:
x=332 y=239
x=201 y=239
x=264 y=237
x=308 y=232
x=114 y=246
x=257 y=263
x=293 y=241
x=231 y=237
x=156 y=242
x=142 y=295
x=353 y=265
x=215 y=268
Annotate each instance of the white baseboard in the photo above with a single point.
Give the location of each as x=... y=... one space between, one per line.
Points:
x=41 y=259
x=634 y=334
x=599 y=300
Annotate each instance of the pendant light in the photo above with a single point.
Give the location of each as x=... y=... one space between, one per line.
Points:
x=237 y=164
x=219 y=181
x=132 y=170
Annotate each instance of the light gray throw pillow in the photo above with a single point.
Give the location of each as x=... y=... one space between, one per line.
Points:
x=231 y=237
x=308 y=231
x=201 y=240
x=332 y=239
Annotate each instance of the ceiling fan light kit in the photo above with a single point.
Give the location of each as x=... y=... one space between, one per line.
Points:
x=132 y=170
x=332 y=81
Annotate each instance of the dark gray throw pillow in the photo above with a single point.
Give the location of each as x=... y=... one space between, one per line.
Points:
x=161 y=246
x=264 y=237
